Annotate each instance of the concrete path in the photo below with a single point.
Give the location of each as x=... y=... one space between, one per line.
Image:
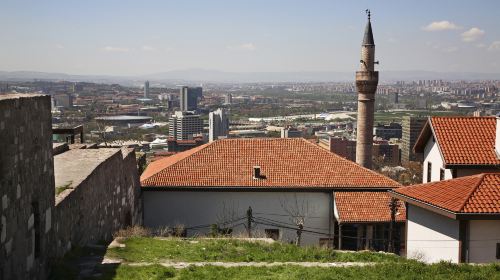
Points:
x=180 y=265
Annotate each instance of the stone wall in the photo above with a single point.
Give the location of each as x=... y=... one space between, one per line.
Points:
x=26 y=185
x=36 y=225
x=103 y=201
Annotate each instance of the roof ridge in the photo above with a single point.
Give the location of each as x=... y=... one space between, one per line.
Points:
x=351 y=162
x=481 y=178
x=463 y=117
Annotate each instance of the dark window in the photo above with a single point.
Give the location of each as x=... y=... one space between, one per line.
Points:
x=498 y=251
x=272 y=233
x=36 y=228
x=429 y=171
x=454 y=173
x=441 y=174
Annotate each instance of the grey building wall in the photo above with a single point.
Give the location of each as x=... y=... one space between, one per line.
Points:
x=194 y=208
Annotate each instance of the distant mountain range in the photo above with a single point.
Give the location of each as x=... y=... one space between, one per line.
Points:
x=202 y=75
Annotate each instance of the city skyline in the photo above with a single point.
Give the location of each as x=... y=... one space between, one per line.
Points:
x=132 y=38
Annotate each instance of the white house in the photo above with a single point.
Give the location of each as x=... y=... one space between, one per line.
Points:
x=286 y=182
x=459 y=146
x=455 y=220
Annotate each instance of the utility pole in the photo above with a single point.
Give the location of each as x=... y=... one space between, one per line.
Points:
x=299 y=233
x=393 y=206
x=249 y=222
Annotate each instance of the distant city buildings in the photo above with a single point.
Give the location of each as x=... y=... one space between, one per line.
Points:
x=388 y=131
x=184 y=125
x=188 y=97
x=290 y=132
x=411 y=129
x=218 y=125
x=146 y=89
x=64 y=100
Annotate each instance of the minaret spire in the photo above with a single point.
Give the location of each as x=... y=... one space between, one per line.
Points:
x=366 y=85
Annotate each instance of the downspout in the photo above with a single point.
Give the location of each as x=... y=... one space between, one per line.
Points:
x=336 y=216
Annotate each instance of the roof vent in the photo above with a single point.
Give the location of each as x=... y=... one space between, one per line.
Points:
x=256 y=173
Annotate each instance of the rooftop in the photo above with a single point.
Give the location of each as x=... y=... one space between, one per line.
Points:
x=477 y=194
x=462 y=140
x=285 y=163
x=366 y=207
x=123 y=118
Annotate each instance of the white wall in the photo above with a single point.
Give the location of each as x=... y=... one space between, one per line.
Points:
x=432 y=154
x=192 y=208
x=431 y=237
x=483 y=237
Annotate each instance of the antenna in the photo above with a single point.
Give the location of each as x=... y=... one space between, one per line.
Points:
x=367 y=11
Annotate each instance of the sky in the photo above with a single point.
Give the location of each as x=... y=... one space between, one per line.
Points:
x=123 y=37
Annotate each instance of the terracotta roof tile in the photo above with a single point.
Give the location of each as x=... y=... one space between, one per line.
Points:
x=284 y=162
x=471 y=194
x=466 y=140
x=359 y=207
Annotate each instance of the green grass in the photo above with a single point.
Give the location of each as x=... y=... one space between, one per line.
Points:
x=142 y=249
x=60 y=189
x=407 y=270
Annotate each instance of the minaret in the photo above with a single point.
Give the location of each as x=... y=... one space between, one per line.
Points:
x=366 y=85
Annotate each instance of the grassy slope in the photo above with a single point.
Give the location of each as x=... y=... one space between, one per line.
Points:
x=153 y=250
x=407 y=270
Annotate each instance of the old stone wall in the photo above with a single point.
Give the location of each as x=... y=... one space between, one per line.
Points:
x=103 y=202
x=98 y=191
x=26 y=185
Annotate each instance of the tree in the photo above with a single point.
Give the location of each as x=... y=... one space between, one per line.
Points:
x=298 y=210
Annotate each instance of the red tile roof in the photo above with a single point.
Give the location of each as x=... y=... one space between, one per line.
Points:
x=366 y=207
x=295 y=163
x=477 y=194
x=462 y=140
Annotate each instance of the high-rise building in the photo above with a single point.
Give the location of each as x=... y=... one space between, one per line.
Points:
x=146 y=89
x=218 y=124
x=366 y=85
x=184 y=125
x=412 y=126
x=189 y=98
x=228 y=99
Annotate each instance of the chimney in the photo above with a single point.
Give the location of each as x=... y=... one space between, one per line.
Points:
x=256 y=172
x=497 y=137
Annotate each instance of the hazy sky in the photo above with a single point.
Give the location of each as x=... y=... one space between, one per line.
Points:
x=122 y=37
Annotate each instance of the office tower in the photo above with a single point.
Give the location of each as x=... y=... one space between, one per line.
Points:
x=218 y=124
x=412 y=126
x=228 y=99
x=366 y=85
x=189 y=98
x=146 y=89
x=183 y=125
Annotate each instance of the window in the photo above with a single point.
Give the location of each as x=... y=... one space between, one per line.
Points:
x=454 y=173
x=498 y=251
x=272 y=233
x=441 y=174
x=429 y=171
